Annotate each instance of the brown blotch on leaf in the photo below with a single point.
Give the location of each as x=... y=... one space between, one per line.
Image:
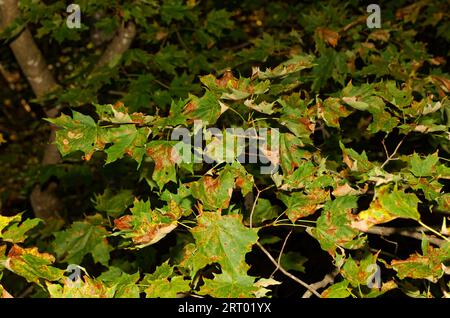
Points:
x=329 y=36
x=123 y=223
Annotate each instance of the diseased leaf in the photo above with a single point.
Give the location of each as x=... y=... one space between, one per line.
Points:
x=401 y=204
x=124 y=284
x=145 y=226
x=163 y=283
x=300 y=205
x=79 y=133
x=427 y=266
x=214 y=193
x=360 y=271
x=165 y=156
x=32 y=265
x=333 y=227
x=82 y=288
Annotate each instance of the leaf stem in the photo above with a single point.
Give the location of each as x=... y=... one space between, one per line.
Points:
x=434 y=231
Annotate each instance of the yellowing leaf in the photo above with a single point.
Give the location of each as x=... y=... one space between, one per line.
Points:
x=32 y=265
x=82 y=288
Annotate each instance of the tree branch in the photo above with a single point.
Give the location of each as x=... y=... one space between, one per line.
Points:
x=45 y=202
x=28 y=55
x=328 y=279
x=286 y=273
x=408 y=232
x=119 y=44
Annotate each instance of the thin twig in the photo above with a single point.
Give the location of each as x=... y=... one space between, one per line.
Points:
x=253 y=207
x=286 y=273
x=281 y=253
x=328 y=279
x=26 y=292
x=391 y=157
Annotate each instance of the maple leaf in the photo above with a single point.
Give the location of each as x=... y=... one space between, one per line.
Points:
x=144 y=226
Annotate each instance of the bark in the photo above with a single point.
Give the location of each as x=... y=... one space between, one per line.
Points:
x=44 y=201
x=119 y=44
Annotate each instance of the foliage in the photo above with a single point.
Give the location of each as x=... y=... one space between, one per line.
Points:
x=363 y=117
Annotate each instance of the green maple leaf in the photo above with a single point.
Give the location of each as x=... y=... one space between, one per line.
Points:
x=15 y=232
x=230 y=285
x=293 y=65
x=401 y=204
x=124 y=284
x=300 y=205
x=264 y=210
x=359 y=271
x=163 y=283
x=81 y=238
x=387 y=206
x=292 y=154
x=205 y=108
x=423 y=167
x=127 y=140
x=296 y=117
x=356 y=162
x=222 y=239
x=113 y=204
x=338 y=290
x=331 y=110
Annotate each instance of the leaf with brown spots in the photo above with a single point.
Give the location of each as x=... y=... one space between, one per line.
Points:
x=295 y=64
x=427 y=266
x=214 y=192
x=79 y=133
x=333 y=227
x=205 y=108
x=32 y=265
x=360 y=269
x=82 y=288
x=329 y=36
x=145 y=226
x=300 y=205
x=165 y=156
